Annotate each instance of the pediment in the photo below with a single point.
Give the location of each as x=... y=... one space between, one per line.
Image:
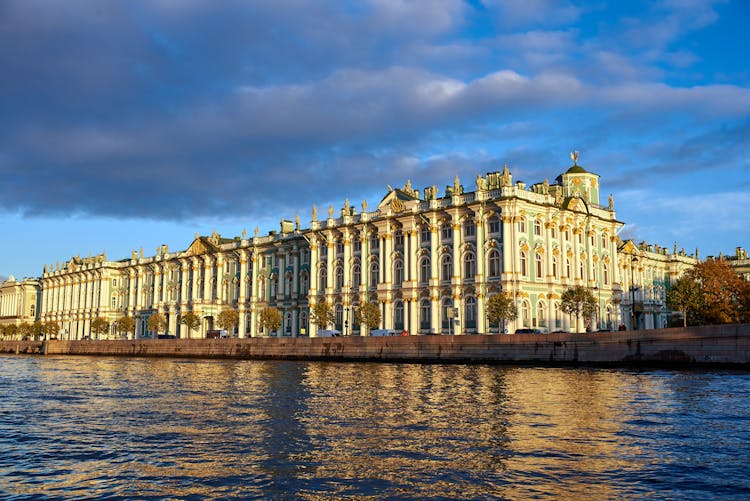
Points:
x=200 y=245
x=397 y=200
x=576 y=204
x=628 y=247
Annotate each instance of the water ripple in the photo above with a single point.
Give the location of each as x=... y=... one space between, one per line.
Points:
x=206 y=429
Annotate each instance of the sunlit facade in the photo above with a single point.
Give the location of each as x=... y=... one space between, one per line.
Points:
x=430 y=262
x=19 y=301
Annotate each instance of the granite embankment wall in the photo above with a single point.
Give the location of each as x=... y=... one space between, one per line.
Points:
x=713 y=345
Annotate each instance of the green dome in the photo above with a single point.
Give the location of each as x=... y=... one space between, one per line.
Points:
x=576 y=169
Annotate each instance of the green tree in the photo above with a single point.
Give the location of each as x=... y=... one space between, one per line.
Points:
x=157 y=323
x=228 y=319
x=99 y=326
x=37 y=329
x=501 y=308
x=191 y=321
x=11 y=330
x=2 y=331
x=322 y=315
x=578 y=301
x=51 y=328
x=368 y=315
x=25 y=329
x=125 y=325
x=270 y=318
x=685 y=296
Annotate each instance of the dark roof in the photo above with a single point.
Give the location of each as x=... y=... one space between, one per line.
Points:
x=576 y=169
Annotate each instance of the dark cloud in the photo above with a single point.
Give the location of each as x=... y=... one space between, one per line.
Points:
x=176 y=110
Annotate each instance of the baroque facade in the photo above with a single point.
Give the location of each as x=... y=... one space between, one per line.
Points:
x=429 y=262
x=19 y=301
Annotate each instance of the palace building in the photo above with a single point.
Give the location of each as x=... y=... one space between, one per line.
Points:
x=429 y=261
x=19 y=301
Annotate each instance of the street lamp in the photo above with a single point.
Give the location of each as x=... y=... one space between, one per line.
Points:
x=633 y=288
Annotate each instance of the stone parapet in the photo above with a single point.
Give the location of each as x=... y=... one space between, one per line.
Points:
x=713 y=345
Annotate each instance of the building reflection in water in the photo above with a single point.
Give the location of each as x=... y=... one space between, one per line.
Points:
x=178 y=428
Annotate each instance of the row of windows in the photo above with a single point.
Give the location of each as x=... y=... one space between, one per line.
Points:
x=566 y=234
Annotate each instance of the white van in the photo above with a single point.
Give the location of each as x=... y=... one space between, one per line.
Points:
x=329 y=333
x=383 y=332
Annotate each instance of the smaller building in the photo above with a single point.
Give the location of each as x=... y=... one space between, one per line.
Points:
x=19 y=301
x=739 y=262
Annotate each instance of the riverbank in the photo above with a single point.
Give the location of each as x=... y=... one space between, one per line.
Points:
x=721 y=345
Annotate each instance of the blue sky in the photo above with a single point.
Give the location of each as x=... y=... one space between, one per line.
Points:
x=133 y=124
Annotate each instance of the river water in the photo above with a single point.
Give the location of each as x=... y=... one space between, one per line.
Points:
x=176 y=428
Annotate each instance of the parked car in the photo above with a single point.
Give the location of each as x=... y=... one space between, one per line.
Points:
x=166 y=336
x=528 y=331
x=384 y=332
x=329 y=333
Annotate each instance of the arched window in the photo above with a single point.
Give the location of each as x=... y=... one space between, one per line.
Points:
x=537 y=227
x=567 y=268
x=356 y=275
x=446 y=305
x=374 y=273
x=338 y=311
x=522 y=225
x=425 y=314
x=525 y=313
x=261 y=288
x=538 y=262
x=303 y=323
x=289 y=283
x=580 y=270
x=398 y=272
x=541 y=314
x=288 y=324
x=605 y=273
x=446 y=267
x=495 y=263
x=323 y=279
x=304 y=284
x=604 y=241
x=524 y=266
x=274 y=285
x=398 y=315
x=339 y=277
x=470 y=265
x=470 y=313
x=554 y=266
x=424 y=270
x=557 y=314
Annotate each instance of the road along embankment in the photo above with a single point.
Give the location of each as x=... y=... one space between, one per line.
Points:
x=722 y=345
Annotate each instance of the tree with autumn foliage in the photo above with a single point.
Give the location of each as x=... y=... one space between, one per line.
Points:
x=269 y=318
x=228 y=320
x=99 y=326
x=191 y=321
x=125 y=325
x=368 y=315
x=321 y=314
x=724 y=295
x=157 y=322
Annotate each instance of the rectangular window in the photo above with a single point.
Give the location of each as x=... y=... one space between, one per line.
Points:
x=470 y=229
x=425 y=235
x=494 y=225
x=447 y=233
